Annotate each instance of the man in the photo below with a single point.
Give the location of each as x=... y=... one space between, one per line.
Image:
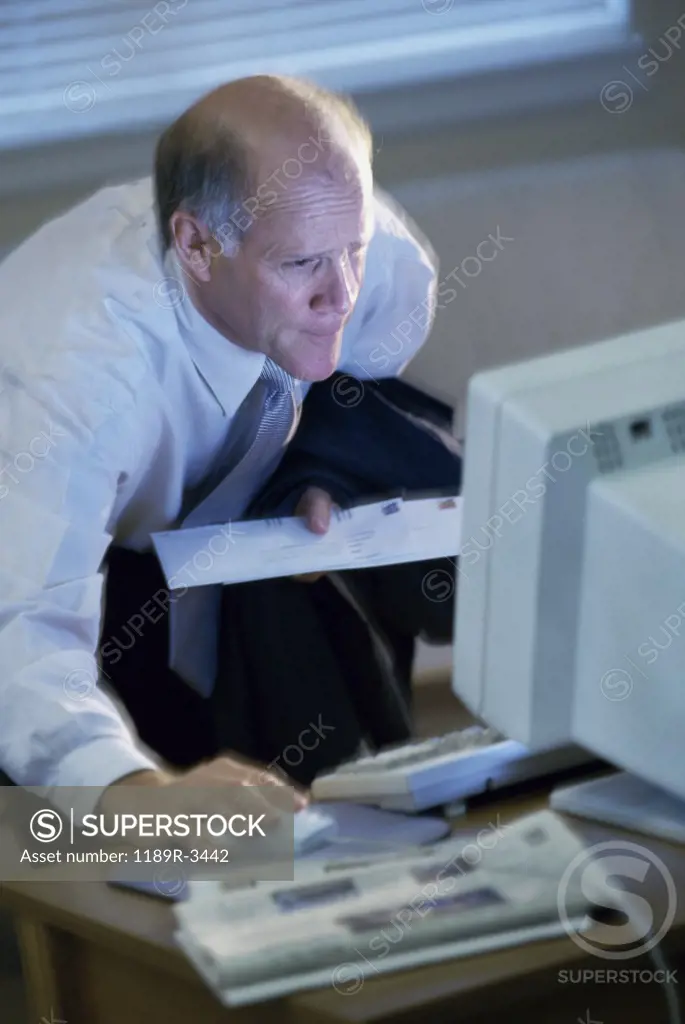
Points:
x=138 y=330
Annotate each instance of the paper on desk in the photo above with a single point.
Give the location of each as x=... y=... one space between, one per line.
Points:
x=383 y=533
x=364 y=831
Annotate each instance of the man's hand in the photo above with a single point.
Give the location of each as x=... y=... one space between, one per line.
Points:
x=316 y=506
x=190 y=790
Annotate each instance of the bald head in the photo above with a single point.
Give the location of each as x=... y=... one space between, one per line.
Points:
x=266 y=109
x=236 y=153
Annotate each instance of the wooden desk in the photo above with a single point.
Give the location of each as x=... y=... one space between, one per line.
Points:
x=95 y=955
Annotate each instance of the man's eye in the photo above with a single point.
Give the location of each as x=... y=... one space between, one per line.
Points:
x=301 y=263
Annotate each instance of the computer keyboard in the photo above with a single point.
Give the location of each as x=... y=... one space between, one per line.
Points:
x=440 y=770
x=416 y=753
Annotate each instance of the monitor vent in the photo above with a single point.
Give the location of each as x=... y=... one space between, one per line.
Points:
x=606 y=449
x=674 y=421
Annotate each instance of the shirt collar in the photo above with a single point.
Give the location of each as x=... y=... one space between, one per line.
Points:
x=229 y=371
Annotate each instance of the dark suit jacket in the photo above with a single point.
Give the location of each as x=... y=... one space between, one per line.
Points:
x=394 y=440
x=292 y=653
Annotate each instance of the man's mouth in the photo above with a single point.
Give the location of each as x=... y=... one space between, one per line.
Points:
x=332 y=333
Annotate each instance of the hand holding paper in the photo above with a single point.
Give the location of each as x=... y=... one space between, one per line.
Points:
x=383 y=533
x=316 y=506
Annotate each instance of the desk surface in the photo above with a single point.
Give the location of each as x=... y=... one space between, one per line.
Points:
x=143 y=926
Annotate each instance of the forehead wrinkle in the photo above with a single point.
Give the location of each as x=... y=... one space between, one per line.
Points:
x=326 y=240
x=326 y=216
x=296 y=219
x=299 y=195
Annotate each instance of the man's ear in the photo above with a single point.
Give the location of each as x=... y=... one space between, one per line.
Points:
x=195 y=246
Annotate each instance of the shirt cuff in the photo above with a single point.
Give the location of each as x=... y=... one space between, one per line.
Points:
x=84 y=774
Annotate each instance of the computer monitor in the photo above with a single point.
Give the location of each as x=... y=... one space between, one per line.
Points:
x=570 y=599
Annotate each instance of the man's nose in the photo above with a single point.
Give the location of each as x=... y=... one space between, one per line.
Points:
x=337 y=294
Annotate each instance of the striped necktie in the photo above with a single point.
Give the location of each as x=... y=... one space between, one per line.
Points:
x=259 y=434
x=270 y=408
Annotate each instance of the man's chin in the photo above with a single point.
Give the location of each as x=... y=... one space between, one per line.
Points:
x=314 y=362
x=312 y=377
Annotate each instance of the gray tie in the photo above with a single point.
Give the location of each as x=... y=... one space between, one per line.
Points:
x=261 y=429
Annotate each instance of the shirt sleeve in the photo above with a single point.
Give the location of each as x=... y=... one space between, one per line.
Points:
x=396 y=306
x=60 y=470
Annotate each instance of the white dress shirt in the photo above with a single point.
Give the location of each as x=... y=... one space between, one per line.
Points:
x=115 y=396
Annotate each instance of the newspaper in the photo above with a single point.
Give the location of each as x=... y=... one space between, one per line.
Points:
x=339 y=924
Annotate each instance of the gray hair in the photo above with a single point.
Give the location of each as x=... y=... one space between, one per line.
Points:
x=208 y=177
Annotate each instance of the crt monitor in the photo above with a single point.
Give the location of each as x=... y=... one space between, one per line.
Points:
x=570 y=609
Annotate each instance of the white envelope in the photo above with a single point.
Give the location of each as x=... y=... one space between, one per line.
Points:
x=383 y=533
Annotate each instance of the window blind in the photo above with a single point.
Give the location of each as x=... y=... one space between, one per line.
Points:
x=75 y=67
